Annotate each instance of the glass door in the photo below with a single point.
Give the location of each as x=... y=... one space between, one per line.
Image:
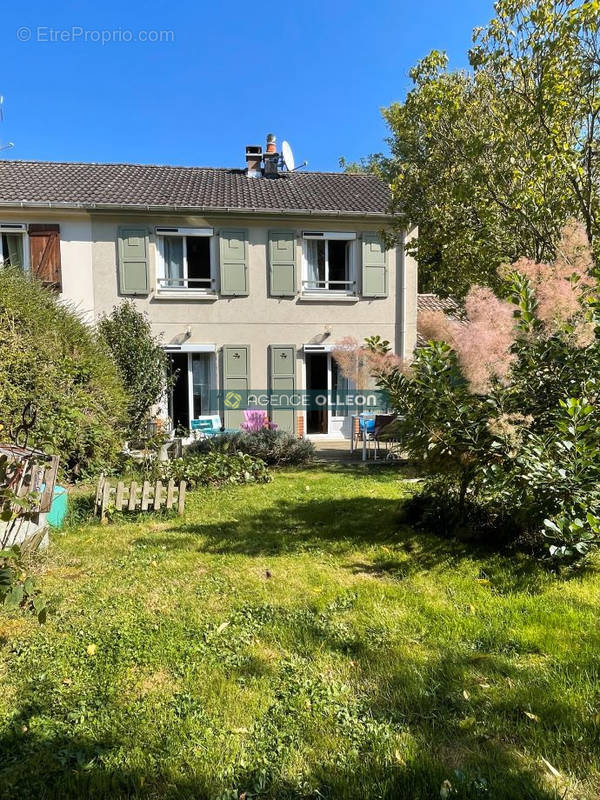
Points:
x=200 y=384
x=179 y=410
x=191 y=392
x=317 y=383
x=339 y=422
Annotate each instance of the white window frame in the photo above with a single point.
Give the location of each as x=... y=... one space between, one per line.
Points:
x=14 y=228
x=346 y=288
x=189 y=350
x=163 y=284
x=338 y=426
x=212 y=376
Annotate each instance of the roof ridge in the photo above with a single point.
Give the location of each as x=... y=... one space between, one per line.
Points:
x=107 y=164
x=171 y=166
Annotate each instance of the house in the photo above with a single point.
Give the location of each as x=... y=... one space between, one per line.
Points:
x=249 y=275
x=428 y=301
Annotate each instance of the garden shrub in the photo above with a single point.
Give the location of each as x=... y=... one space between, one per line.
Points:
x=18 y=589
x=276 y=448
x=140 y=358
x=216 y=468
x=501 y=409
x=49 y=356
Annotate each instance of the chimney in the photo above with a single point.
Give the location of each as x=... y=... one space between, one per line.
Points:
x=271 y=143
x=271 y=157
x=253 y=160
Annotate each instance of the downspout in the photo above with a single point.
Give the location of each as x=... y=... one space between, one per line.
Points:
x=404 y=291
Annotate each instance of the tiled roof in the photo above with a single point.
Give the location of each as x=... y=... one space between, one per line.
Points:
x=170 y=188
x=433 y=302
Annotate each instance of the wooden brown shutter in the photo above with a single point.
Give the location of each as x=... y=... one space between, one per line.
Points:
x=44 y=254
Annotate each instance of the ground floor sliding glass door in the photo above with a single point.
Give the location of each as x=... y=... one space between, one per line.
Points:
x=322 y=377
x=191 y=396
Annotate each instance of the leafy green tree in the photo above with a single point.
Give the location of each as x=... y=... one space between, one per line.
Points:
x=140 y=359
x=491 y=162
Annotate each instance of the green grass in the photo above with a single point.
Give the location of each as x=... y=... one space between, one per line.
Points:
x=292 y=641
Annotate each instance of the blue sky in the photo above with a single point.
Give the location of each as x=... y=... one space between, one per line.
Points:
x=315 y=73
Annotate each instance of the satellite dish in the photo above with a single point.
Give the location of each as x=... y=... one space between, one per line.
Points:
x=287 y=156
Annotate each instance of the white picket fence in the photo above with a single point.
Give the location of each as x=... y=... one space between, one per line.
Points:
x=136 y=497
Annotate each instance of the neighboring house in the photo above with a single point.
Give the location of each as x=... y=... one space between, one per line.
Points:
x=433 y=302
x=250 y=275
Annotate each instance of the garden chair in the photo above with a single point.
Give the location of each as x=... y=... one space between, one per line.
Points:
x=362 y=429
x=255 y=419
x=205 y=426
x=380 y=433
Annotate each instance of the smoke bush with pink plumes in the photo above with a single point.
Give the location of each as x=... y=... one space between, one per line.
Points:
x=360 y=365
x=561 y=286
x=483 y=340
x=484 y=343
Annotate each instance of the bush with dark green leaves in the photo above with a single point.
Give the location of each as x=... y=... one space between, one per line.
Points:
x=216 y=469
x=50 y=357
x=501 y=410
x=18 y=589
x=276 y=448
x=140 y=358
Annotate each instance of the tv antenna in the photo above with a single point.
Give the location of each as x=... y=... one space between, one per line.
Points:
x=10 y=144
x=287 y=158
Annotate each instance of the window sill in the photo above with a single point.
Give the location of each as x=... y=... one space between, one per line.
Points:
x=185 y=294
x=327 y=297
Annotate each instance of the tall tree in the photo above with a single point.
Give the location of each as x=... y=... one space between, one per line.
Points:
x=140 y=359
x=491 y=162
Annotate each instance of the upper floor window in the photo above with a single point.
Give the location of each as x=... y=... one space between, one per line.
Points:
x=185 y=259
x=14 y=245
x=328 y=262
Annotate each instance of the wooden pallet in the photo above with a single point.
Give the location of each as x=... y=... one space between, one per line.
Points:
x=147 y=497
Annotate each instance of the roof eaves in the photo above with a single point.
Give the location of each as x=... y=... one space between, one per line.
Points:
x=240 y=210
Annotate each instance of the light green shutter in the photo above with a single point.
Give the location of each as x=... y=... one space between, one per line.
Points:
x=282 y=263
x=133 y=261
x=374 y=268
x=236 y=383
x=234 y=262
x=282 y=375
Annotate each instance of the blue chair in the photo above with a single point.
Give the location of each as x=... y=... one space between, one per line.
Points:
x=363 y=433
x=209 y=425
x=366 y=424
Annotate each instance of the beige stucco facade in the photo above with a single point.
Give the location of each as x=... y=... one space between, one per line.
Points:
x=258 y=319
x=76 y=245
x=89 y=261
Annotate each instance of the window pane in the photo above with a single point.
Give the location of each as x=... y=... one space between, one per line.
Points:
x=339 y=390
x=12 y=249
x=198 y=258
x=339 y=263
x=201 y=383
x=173 y=254
x=315 y=258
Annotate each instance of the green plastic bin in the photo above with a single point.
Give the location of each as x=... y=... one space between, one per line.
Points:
x=58 y=509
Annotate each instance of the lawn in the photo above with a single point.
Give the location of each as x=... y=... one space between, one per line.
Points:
x=294 y=640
